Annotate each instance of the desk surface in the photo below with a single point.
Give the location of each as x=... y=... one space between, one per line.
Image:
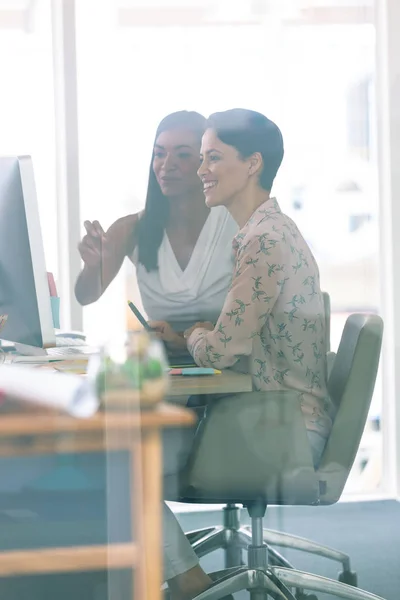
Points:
x=229 y=382
x=165 y=415
x=32 y=434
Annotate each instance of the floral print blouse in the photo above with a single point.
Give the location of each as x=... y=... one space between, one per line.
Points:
x=274 y=315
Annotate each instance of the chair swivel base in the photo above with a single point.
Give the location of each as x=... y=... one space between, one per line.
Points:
x=233 y=542
x=279 y=583
x=264 y=581
x=233 y=539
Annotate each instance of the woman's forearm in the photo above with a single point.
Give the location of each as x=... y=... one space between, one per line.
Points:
x=88 y=285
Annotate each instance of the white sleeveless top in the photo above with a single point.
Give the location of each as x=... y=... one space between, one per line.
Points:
x=198 y=293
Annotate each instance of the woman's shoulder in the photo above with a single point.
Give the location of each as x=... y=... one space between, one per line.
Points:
x=125 y=223
x=122 y=231
x=124 y=226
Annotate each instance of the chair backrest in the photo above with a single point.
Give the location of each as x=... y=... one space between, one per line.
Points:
x=351 y=385
x=327 y=307
x=254 y=446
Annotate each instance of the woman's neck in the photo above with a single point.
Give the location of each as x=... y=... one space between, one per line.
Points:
x=245 y=204
x=187 y=213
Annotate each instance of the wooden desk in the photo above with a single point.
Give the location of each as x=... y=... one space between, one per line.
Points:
x=229 y=382
x=140 y=434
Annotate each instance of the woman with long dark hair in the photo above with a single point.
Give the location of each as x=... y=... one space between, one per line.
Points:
x=183 y=257
x=181 y=250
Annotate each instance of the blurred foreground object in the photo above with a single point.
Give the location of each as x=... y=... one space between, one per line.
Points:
x=32 y=389
x=131 y=372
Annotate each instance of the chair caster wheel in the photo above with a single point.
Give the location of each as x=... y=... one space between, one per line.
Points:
x=348 y=577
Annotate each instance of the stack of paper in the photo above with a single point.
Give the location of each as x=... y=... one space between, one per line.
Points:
x=74 y=395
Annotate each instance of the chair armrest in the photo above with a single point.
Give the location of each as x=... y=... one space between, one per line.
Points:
x=330 y=359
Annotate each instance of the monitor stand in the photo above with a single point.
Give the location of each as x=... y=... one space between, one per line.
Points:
x=7 y=346
x=26 y=350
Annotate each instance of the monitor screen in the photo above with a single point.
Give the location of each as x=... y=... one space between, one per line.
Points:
x=24 y=291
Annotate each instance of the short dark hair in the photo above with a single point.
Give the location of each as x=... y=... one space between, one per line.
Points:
x=249 y=132
x=150 y=227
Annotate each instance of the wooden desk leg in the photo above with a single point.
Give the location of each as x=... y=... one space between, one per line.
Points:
x=147 y=495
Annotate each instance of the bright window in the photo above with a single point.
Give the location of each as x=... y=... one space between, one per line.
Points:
x=308 y=65
x=27 y=103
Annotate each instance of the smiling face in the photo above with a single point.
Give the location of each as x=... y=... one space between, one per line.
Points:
x=224 y=173
x=175 y=162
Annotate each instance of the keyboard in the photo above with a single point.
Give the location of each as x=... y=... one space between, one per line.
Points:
x=62 y=341
x=70 y=351
x=68 y=346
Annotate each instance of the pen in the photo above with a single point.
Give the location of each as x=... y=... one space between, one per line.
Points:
x=139 y=316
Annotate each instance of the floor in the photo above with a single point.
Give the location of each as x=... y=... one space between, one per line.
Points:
x=368 y=531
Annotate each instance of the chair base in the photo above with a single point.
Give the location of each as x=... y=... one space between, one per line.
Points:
x=279 y=583
x=261 y=583
x=264 y=581
x=260 y=578
x=233 y=542
x=233 y=539
x=230 y=537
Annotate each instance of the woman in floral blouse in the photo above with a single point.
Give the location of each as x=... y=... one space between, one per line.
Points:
x=272 y=323
x=273 y=316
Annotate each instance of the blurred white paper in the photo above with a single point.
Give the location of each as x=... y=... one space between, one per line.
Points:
x=68 y=393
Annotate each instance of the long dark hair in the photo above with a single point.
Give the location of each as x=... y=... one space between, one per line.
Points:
x=150 y=228
x=249 y=131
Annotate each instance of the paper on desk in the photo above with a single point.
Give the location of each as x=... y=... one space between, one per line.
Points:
x=46 y=359
x=76 y=367
x=68 y=393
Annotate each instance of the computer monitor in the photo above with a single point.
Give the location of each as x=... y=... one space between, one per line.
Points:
x=24 y=289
